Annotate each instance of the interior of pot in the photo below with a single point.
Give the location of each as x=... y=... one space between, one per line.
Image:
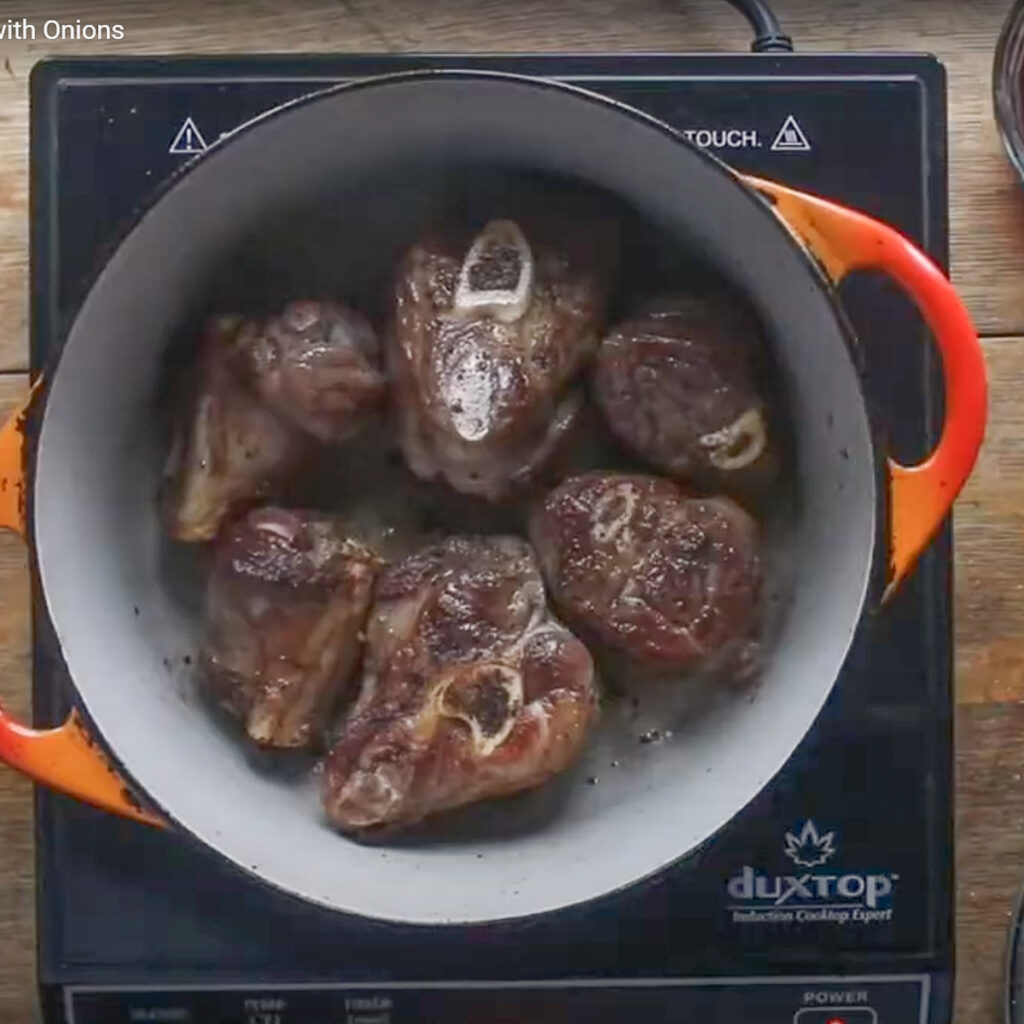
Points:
x=365 y=166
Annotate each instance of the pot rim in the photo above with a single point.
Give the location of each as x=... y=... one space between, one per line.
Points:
x=764 y=204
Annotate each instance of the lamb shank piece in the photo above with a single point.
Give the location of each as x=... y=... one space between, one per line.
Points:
x=317 y=365
x=632 y=562
x=489 y=333
x=288 y=598
x=267 y=391
x=677 y=385
x=471 y=689
x=228 y=450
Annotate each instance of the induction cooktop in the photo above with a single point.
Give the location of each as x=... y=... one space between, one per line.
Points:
x=828 y=899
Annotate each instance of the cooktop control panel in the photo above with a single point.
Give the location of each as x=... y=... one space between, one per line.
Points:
x=870 y=1000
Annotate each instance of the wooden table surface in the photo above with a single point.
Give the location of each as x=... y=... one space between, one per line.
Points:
x=987 y=210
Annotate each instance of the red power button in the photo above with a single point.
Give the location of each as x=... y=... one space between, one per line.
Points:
x=836 y=1015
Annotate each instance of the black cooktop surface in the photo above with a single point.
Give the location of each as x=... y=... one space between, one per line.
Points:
x=832 y=889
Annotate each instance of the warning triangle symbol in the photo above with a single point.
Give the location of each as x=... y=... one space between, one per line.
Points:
x=791 y=138
x=189 y=140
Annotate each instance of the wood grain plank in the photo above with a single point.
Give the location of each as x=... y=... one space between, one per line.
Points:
x=989 y=538
x=987 y=212
x=17 y=910
x=990 y=852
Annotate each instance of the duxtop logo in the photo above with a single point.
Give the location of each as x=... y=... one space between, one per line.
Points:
x=839 y=898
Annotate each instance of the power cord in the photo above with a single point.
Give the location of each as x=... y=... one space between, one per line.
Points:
x=768 y=34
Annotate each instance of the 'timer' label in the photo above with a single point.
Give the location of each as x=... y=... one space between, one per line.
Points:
x=811 y=895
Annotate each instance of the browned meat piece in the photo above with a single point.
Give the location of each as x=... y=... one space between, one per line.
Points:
x=317 y=365
x=228 y=449
x=288 y=598
x=488 y=335
x=662 y=578
x=677 y=386
x=471 y=689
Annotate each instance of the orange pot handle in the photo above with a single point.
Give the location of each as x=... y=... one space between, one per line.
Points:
x=66 y=758
x=920 y=496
